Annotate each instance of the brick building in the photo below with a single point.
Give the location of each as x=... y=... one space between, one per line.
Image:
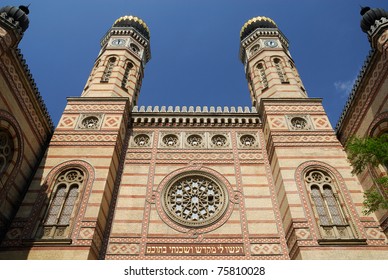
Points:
x=116 y=180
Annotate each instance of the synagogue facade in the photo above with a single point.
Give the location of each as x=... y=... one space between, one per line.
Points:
x=118 y=180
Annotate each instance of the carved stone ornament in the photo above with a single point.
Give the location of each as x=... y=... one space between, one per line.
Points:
x=142 y=140
x=170 y=140
x=90 y=121
x=219 y=141
x=299 y=122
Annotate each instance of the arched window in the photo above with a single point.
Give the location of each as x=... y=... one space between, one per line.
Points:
x=280 y=70
x=108 y=70
x=61 y=209
x=326 y=205
x=263 y=76
x=6 y=150
x=126 y=75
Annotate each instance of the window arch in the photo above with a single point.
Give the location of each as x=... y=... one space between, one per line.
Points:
x=326 y=204
x=126 y=75
x=65 y=197
x=6 y=150
x=108 y=69
x=280 y=70
x=11 y=152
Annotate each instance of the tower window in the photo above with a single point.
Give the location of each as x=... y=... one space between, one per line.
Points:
x=298 y=123
x=126 y=75
x=91 y=122
x=263 y=76
x=108 y=70
x=134 y=48
x=280 y=70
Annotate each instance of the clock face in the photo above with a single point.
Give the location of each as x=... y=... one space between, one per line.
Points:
x=118 y=42
x=271 y=43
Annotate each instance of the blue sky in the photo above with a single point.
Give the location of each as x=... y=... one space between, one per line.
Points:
x=194 y=47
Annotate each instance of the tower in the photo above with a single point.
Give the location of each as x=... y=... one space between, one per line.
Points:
x=307 y=161
x=76 y=181
x=268 y=65
x=119 y=67
x=120 y=181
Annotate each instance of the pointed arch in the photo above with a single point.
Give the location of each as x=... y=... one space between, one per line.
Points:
x=128 y=67
x=329 y=208
x=279 y=66
x=260 y=66
x=57 y=212
x=111 y=61
x=11 y=151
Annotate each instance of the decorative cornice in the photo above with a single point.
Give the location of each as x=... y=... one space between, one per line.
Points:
x=355 y=90
x=34 y=88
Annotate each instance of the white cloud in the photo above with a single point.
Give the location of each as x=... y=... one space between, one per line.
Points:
x=344 y=87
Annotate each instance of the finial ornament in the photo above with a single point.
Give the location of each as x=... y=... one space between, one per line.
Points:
x=25 y=8
x=364 y=10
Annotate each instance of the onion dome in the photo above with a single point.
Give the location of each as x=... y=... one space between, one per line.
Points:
x=135 y=22
x=369 y=16
x=254 y=23
x=18 y=14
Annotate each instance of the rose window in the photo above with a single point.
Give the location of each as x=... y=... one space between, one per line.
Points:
x=194 y=140
x=219 y=140
x=247 y=140
x=195 y=201
x=298 y=123
x=170 y=140
x=71 y=176
x=90 y=122
x=142 y=140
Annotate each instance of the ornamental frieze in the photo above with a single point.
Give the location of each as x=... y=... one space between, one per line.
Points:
x=96 y=107
x=83 y=138
x=293 y=109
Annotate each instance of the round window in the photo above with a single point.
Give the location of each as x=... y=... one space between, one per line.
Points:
x=194 y=200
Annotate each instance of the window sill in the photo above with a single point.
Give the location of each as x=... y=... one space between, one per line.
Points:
x=342 y=242
x=47 y=242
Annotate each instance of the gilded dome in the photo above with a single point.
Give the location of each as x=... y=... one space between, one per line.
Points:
x=254 y=23
x=135 y=22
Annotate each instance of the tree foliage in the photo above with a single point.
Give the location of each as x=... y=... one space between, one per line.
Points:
x=370 y=151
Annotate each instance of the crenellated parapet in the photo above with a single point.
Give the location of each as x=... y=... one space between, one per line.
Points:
x=193 y=109
x=195 y=116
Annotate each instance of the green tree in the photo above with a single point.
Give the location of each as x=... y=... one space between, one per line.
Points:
x=370 y=151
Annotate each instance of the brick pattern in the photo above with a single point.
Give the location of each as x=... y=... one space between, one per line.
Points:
x=266 y=249
x=39 y=128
